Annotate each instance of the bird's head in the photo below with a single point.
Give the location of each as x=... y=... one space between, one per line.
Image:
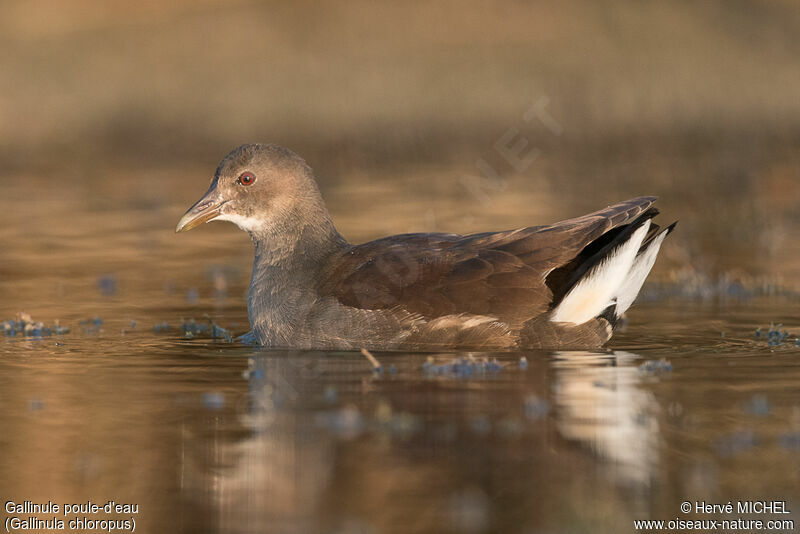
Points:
x=260 y=188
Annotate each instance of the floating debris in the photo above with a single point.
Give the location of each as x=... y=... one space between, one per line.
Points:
x=217 y=332
x=191 y=328
x=161 y=327
x=463 y=367
x=107 y=284
x=25 y=326
x=376 y=366
x=60 y=330
x=656 y=366
x=36 y=405
x=757 y=405
x=523 y=363
x=192 y=295
x=131 y=328
x=91 y=326
x=9 y=328
x=775 y=335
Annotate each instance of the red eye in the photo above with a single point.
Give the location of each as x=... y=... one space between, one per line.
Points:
x=247 y=178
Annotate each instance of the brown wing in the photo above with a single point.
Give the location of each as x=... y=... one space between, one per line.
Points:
x=500 y=274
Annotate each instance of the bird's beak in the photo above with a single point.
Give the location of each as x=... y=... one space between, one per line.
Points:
x=204 y=210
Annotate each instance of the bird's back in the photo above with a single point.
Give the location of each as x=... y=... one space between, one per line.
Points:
x=495 y=290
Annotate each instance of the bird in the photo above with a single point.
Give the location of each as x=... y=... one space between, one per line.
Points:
x=560 y=286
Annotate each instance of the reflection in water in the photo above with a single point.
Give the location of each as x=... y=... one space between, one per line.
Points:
x=320 y=444
x=600 y=402
x=209 y=437
x=267 y=470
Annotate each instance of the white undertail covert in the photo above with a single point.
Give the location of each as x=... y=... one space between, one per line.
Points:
x=606 y=282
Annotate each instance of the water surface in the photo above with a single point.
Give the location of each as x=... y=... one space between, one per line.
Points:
x=208 y=436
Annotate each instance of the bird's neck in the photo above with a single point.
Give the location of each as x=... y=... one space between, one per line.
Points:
x=296 y=238
x=287 y=266
x=299 y=254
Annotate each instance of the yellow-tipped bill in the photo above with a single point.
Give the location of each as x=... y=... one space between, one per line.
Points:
x=204 y=210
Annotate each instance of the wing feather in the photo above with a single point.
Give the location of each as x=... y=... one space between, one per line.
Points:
x=500 y=275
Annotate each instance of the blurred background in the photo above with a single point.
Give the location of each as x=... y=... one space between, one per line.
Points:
x=113 y=117
x=113 y=106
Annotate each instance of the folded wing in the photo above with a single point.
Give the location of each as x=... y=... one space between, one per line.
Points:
x=512 y=277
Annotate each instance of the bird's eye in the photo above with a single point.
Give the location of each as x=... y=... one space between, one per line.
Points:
x=247 y=178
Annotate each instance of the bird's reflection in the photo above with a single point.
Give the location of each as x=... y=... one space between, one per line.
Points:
x=600 y=402
x=321 y=444
x=268 y=474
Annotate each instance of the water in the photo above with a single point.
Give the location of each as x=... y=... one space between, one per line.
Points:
x=207 y=436
x=214 y=437
x=113 y=116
